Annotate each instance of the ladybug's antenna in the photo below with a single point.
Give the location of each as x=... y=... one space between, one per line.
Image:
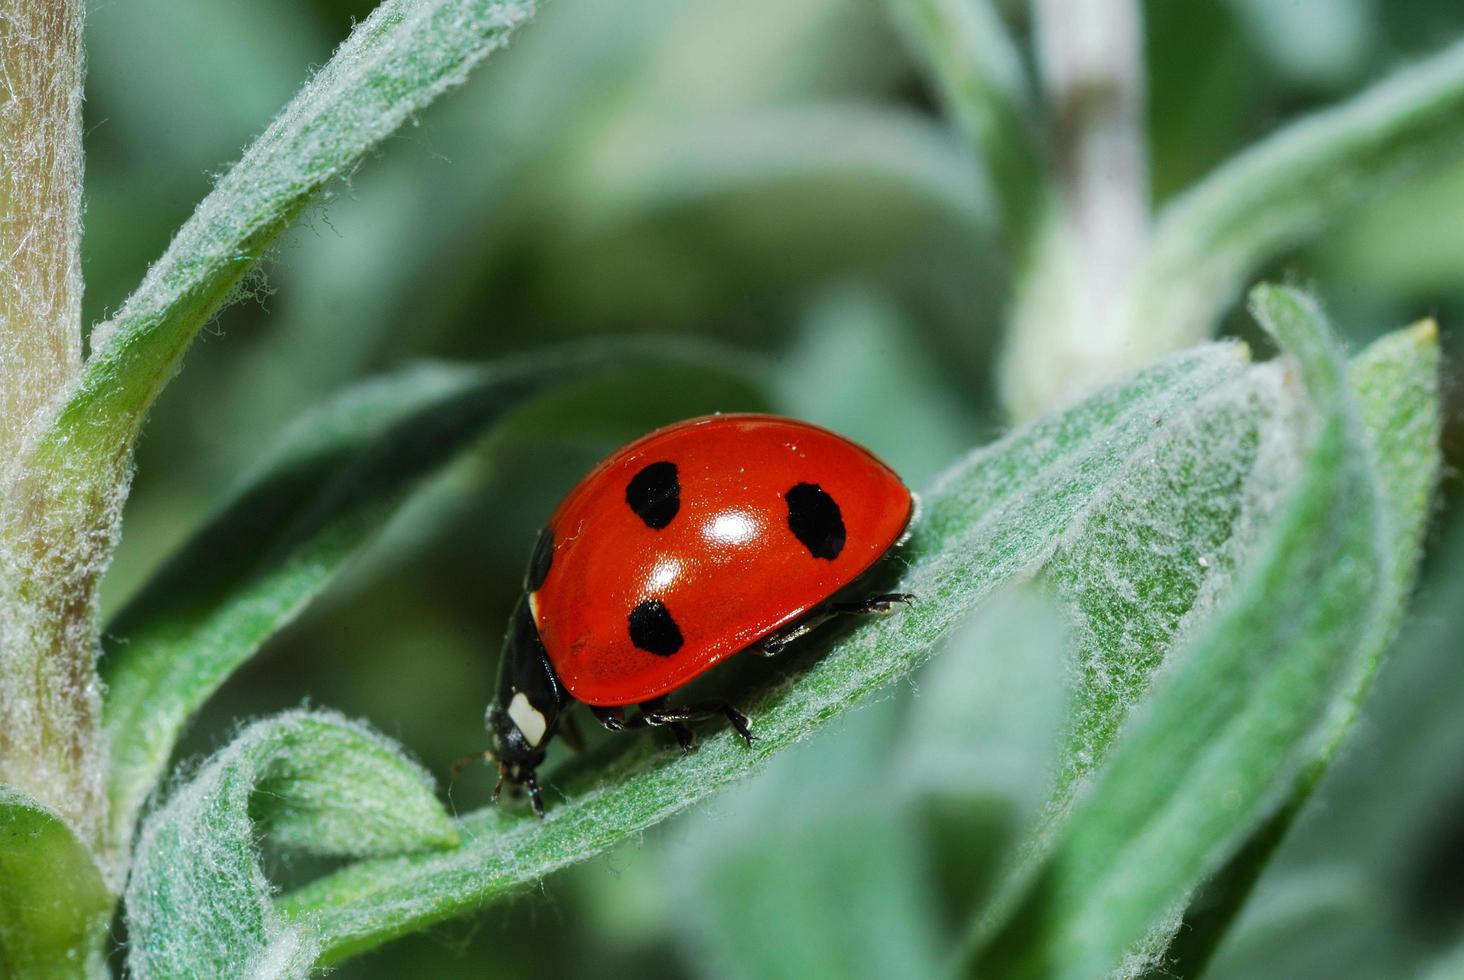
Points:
x=485 y=756
x=498 y=786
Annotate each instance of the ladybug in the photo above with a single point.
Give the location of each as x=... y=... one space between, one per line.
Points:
x=706 y=538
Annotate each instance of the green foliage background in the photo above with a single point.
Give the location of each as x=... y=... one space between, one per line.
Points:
x=692 y=168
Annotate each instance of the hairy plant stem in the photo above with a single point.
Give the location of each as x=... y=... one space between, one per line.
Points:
x=1066 y=336
x=40 y=208
x=53 y=537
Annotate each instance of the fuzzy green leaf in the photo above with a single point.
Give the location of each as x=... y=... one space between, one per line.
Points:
x=757 y=919
x=396 y=61
x=54 y=903
x=1237 y=720
x=987 y=521
x=198 y=901
x=1396 y=384
x=1286 y=189
x=1396 y=387
x=338 y=476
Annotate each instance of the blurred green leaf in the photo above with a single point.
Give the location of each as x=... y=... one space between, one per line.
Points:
x=987 y=520
x=890 y=386
x=397 y=61
x=191 y=110
x=732 y=897
x=978 y=753
x=978 y=71
x=718 y=156
x=1415 y=218
x=1396 y=384
x=1320 y=43
x=1261 y=688
x=1450 y=966
x=198 y=901
x=54 y=903
x=985 y=727
x=841 y=896
x=1206 y=86
x=1318 y=924
x=616 y=186
x=337 y=476
x=1286 y=189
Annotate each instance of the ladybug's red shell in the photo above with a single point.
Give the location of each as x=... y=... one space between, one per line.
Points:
x=699 y=539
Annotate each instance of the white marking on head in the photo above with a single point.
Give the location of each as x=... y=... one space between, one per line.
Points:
x=527 y=718
x=534 y=607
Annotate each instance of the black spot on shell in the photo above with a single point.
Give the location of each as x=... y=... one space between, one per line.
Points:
x=653 y=630
x=814 y=518
x=654 y=494
x=542 y=558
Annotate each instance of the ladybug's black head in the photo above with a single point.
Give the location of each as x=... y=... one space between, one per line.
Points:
x=511 y=745
x=525 y=713
x=517 y=759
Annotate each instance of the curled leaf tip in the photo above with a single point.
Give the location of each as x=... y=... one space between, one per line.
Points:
x=199 y=902
x=1267 y=295
x=1425 y=332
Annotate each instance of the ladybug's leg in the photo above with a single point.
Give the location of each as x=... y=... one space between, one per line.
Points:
x=702 y=710
x=875 y=605
x=652 y=714
x=657 y=713
x=615 y=720
x=529 y=781
x=612 y=718
x=684 y=736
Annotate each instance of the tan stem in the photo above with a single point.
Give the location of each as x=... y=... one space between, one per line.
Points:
x=40 y=208
x=1091 y=56
x=1067 y=337
x=54 y=534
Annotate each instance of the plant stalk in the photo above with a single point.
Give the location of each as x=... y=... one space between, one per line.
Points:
x=40 y=208
x=53 y=542
x=1066 y=336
